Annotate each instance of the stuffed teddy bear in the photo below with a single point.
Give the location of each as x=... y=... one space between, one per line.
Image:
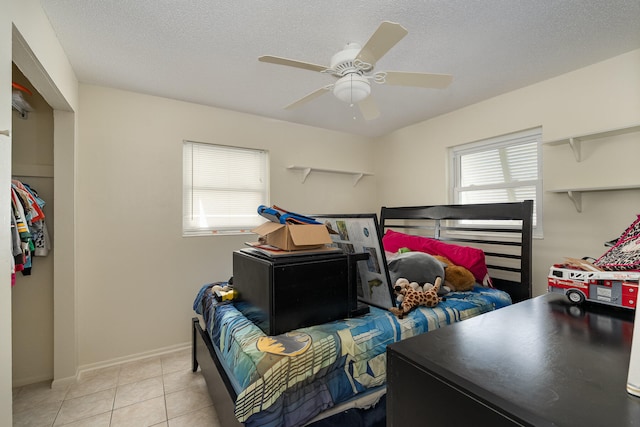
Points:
x=412 y=298
x=456 y=277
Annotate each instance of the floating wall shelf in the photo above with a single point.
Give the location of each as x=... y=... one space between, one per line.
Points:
x=306 y=170
x=575 y=194
x=576 y=141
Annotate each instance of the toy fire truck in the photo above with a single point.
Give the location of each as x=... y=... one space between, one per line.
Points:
x=617 y=288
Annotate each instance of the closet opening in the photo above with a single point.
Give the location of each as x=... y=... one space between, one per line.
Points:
x=32 y=164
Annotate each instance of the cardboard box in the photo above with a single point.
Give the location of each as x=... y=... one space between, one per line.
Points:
x=292 y=237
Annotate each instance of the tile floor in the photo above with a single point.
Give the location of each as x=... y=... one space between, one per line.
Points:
x=158 y=391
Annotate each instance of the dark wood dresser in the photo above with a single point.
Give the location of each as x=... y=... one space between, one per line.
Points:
x=541 y=362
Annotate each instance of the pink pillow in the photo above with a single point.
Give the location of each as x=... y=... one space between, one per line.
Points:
x=470 y=258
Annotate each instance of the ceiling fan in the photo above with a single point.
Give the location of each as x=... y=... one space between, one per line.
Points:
x=354 y=68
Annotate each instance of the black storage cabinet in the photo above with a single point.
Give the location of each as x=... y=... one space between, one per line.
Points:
x=284 y=293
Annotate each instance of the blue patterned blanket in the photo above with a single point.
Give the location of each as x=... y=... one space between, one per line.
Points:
x=346 y=357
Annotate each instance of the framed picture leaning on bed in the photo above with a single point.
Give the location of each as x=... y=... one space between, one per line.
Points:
x=360 y=233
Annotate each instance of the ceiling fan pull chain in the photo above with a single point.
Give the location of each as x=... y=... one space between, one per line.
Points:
x=351 y=94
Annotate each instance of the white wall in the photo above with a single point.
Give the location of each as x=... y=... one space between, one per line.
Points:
x=137 y=276
x=412 y=162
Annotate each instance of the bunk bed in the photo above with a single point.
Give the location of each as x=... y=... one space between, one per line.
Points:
x=341 y=378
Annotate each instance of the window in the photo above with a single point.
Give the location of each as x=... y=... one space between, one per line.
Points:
x=222 y=188
x=502 y=169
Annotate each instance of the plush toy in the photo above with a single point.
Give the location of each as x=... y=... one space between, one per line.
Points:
x=219 y=288
x=418 y=267
x=223 y=293
x=456 y=277
x=402 y=283
x=412 y=298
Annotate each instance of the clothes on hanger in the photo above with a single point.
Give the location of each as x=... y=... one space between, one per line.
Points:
x=28 y=229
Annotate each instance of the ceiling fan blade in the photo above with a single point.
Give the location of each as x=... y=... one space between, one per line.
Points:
x=369 y=108
x=313 y=95
x=291 y=63
x=383 y=39
x=401 y=78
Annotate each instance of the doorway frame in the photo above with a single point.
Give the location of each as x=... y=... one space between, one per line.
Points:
x=65 y=347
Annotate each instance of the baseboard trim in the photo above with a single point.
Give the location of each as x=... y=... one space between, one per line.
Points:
x=64 y=382
x=83 y=369
x=30 y=380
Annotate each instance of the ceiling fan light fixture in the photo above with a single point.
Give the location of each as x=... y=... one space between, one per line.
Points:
x=352 y=88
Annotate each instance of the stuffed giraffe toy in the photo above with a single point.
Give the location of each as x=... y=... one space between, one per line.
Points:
x=413 y=297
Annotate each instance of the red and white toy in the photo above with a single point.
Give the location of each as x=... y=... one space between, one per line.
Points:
x=616 y=288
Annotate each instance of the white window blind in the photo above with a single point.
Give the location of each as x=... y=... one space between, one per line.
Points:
x=222 y=188
x=497 y=170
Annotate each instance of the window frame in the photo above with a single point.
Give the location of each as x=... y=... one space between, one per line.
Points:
x=188 y=191
x=507 y=140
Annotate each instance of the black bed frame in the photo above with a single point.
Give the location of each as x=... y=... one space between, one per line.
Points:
x=507 y=248
x=222 y=393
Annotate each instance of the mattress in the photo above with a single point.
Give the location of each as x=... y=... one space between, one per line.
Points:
x=345 y=359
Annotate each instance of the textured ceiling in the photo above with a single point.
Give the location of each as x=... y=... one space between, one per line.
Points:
x=206 y=51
